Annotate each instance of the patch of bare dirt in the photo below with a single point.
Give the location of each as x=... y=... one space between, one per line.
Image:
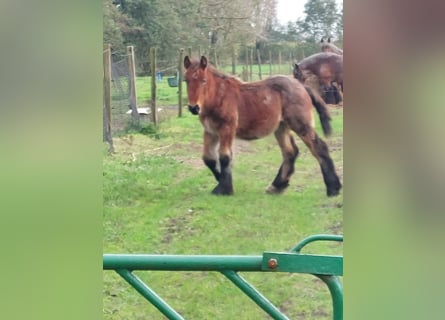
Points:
x=178 y=227
x=194 y=149
x=193 y=157
x=242 y=146
x=336 y=228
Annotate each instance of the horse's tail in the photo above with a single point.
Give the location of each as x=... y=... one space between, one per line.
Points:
x=322 y=110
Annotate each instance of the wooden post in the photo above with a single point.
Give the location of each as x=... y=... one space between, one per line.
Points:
x=189 y=52
x=154 y=111
x=107 y=98
x=247 y=61
x=259 y=63
x=216 y=57
x=245 y=74
x=132 y=86
x=233 y=61
x=279 y=61
x=181 y=54
x=250 y=64
x=270 y=63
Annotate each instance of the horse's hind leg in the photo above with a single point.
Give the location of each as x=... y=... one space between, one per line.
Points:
x=210 y=154
x=320 y=151
x=338 y=95
x=289 y=151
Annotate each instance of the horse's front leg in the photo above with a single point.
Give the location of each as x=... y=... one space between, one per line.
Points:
x=210 y=154
x=225 y=186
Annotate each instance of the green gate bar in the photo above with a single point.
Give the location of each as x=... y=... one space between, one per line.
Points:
x=325 y=267
x=149 y=294
x=316 y=237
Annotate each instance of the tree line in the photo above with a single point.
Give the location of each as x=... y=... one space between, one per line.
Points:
x=214 y=25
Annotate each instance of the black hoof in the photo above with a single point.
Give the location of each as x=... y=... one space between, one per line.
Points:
x=222 y=191
x=274 y=190
x=334 y=191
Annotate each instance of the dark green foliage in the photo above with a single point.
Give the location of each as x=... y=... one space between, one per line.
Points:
x=112 y=27
x=209 y=26
x=321 y=20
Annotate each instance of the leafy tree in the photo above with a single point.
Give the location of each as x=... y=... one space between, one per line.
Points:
x=152 y=24
x=339 y=24
x=112 y=24
x=321 y=20
x=172 y=24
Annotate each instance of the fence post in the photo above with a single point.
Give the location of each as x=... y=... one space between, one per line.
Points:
x=153 y=86
x=107 y=98
x=279 y=61
x=250 y=64
x=216 y=57
x=270 y=63
x=233 y=61
x=132 y=85
x=259 y=63
x=181 y=53
x=247 y=62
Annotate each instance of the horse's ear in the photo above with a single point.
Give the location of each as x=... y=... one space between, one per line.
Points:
x=187 y=62
x=203 y=62
x=322 y=40
x=329 y=39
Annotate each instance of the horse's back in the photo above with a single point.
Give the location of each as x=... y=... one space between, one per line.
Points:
x=265 y=103
x=314 y=61
x=295 y=101
x=324 y=65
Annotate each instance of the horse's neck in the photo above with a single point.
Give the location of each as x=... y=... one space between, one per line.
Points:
x=223 y=87
x=336 y=49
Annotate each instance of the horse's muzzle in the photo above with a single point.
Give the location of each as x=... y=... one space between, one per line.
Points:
x=194 y=109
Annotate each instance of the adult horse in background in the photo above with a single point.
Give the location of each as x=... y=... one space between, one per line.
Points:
x=330 y=96
x=327 y=67
x=330 y=47
x=229 y=108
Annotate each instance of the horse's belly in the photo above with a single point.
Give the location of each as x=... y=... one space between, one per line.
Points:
x=257 y=126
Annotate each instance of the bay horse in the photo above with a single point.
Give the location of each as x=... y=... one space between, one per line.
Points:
x=330 y=95
x=229 y=108
x=326 y=66
x=330 y=47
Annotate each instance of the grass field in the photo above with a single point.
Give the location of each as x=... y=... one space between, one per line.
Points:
x=156 y=200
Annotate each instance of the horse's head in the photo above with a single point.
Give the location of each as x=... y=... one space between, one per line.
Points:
x=196 y=79
x=298 y=74
x=330 y=47
x=326 y=46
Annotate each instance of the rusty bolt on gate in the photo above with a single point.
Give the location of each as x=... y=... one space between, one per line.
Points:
x=272 y=263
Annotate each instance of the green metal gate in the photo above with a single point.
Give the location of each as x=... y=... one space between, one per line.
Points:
x=326 y=267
